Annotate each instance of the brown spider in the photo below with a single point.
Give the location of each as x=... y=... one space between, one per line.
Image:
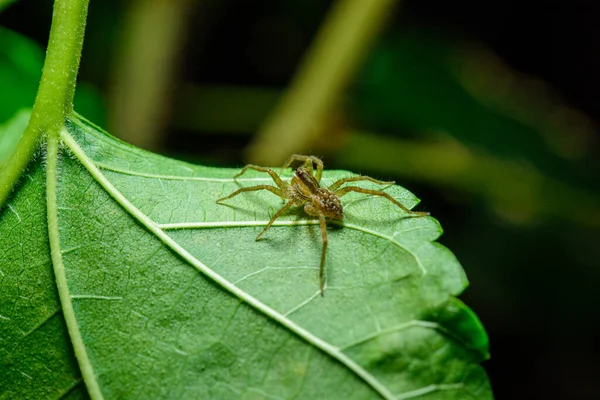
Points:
x=305 y=190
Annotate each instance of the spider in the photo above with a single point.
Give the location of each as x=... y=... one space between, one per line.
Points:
x=305 y=190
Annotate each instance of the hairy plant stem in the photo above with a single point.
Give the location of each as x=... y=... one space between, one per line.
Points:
x=54 y=99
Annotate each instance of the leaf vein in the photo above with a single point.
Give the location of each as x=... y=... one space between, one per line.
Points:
x=95 y=296
x=41 y=323
x=123 y=171
x=59 y=268
x=302 y=304
x=429 y=389
x=239 y=224
x=260 y=271
x=400 y=327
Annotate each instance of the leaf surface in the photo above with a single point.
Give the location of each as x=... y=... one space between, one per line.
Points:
x=167 y=294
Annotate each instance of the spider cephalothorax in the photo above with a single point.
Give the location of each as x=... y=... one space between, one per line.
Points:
x=305 y=190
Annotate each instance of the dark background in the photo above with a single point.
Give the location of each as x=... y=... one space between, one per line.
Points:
x=523 y=220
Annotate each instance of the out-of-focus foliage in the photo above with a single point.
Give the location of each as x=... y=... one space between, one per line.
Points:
x=427 y=85
x=10 y=133
x=21 y=62
x=5 y=3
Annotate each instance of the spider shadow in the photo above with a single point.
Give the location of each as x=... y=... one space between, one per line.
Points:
x=269 y=236
x=256 y=199
x=364 y=217
x=298 y=231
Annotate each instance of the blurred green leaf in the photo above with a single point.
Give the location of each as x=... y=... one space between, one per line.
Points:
x=172 y=297
x=21 y=63
x=10 y=133
x=5 y=3
x=432 y=84
x=88 y=101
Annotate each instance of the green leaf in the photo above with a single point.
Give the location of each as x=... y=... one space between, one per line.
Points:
x=36 y=358
x=166 y=294
x=11 y=132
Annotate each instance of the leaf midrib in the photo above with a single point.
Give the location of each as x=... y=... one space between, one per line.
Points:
x=154 y=228
x=59 y=270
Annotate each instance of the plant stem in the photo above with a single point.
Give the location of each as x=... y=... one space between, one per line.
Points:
x=54 y=100
x=328 y=66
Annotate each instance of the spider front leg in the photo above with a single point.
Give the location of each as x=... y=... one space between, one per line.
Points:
x=282 y=185
x=278 y=214
x=340 y=182
x=308 y=161
x=312 y=210
x=323 y=226
x=270 y=188
x=348 y=189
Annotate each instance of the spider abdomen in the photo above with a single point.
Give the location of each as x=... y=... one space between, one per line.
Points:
x=326 y=201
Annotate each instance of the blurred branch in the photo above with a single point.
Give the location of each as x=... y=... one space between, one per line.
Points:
x=516 y=191
x=328 y=66
x=145 y=68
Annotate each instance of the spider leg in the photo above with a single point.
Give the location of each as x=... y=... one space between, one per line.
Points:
x=340 y=182
x=308 y=161
x=270 y=188
x=348 y=189
x=277 y=215
x=282 y=185
x=310 y=209
x=323 y=225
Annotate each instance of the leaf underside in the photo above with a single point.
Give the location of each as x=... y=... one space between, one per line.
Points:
x=172 y=297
